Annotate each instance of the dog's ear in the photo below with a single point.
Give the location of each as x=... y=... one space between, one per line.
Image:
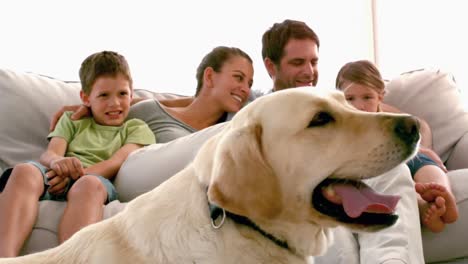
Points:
x=242 y=181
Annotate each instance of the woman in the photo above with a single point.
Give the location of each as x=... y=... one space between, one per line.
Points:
x=224 y=78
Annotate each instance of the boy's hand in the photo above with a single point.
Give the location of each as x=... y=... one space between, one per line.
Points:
x=67 y=167
x=57 y=184
x=79 y=111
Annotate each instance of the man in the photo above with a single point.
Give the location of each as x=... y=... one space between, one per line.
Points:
x=290 y=54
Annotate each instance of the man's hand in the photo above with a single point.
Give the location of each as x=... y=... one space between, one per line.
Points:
x=67 y=167
x=79 y=111
x=431 y=154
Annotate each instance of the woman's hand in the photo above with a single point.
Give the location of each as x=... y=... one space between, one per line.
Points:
x=79 y=111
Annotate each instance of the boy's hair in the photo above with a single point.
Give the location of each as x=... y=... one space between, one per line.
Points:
x=275 y=38
x=216 y=59
x=104 y=63
x=361 y=72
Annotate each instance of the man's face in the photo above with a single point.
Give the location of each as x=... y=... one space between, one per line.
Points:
x=297 y=67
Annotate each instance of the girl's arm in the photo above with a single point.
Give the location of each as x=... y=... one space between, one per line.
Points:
x=426 y=136
x=424 y=128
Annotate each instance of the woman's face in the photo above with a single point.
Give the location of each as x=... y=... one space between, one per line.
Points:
x=362 y=97
x=231 y=85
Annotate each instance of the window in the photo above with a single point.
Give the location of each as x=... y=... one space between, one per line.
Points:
x=165 y=41
x=419 y=34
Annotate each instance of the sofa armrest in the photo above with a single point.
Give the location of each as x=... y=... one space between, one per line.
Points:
x=453 y=237
x=458 y=159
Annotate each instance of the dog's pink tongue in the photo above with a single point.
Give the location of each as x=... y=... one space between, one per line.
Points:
x=356 y=201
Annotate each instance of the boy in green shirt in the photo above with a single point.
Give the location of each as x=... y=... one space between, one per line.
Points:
x=81 y=159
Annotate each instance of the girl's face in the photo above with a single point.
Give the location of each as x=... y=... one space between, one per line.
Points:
x=231 y=86
x=109 y=100
x=362 y=97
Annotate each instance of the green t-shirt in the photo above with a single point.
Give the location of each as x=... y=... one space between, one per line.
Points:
x=92 y=143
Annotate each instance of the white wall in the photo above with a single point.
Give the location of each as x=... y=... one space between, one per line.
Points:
x=418 y=34
x=165 y=40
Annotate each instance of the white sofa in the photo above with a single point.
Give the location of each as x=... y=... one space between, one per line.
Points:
x=27 y=102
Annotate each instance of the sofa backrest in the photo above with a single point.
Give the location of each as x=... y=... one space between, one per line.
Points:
x=432 y=95
x=28 y=101
x=27 y=104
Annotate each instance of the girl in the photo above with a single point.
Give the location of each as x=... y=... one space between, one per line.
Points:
x=364 y=88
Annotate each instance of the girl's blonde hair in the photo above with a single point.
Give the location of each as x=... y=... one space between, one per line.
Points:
x=361 y=72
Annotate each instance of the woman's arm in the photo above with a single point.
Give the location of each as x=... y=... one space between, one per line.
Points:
x=109 y=168
x=177 y=102
x=80 y=111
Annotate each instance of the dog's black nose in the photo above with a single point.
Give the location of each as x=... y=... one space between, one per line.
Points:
x=407 y=129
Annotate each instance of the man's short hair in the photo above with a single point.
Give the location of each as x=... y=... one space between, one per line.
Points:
x=275 y=38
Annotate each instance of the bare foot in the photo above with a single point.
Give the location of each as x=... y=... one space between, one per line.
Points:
x=431 y=191
x=431 y=214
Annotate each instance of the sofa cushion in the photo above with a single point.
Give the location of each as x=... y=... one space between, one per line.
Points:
x=158 y=162
x=453 y=238
x=45 y=230
x=433 y=96
x=458 y=158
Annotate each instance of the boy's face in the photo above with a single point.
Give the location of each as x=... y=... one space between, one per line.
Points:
x=109 y=100
x=297 y=67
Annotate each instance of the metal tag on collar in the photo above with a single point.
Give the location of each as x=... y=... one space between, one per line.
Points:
x=215 y=211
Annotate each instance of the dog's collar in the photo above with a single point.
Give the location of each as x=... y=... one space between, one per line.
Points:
x=216 y=211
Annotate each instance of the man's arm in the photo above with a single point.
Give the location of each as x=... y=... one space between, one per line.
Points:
x=109 y=168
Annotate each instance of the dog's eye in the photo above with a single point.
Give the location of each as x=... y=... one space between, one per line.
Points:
x=321 y=119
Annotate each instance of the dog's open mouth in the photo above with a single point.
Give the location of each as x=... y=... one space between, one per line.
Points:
x=354 y=202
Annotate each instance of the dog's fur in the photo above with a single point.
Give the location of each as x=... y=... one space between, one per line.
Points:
x=265 y=166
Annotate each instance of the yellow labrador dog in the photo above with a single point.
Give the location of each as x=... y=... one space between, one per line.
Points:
x=267 y=189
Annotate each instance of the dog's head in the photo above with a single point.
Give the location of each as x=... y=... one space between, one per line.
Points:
x=298 y=157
